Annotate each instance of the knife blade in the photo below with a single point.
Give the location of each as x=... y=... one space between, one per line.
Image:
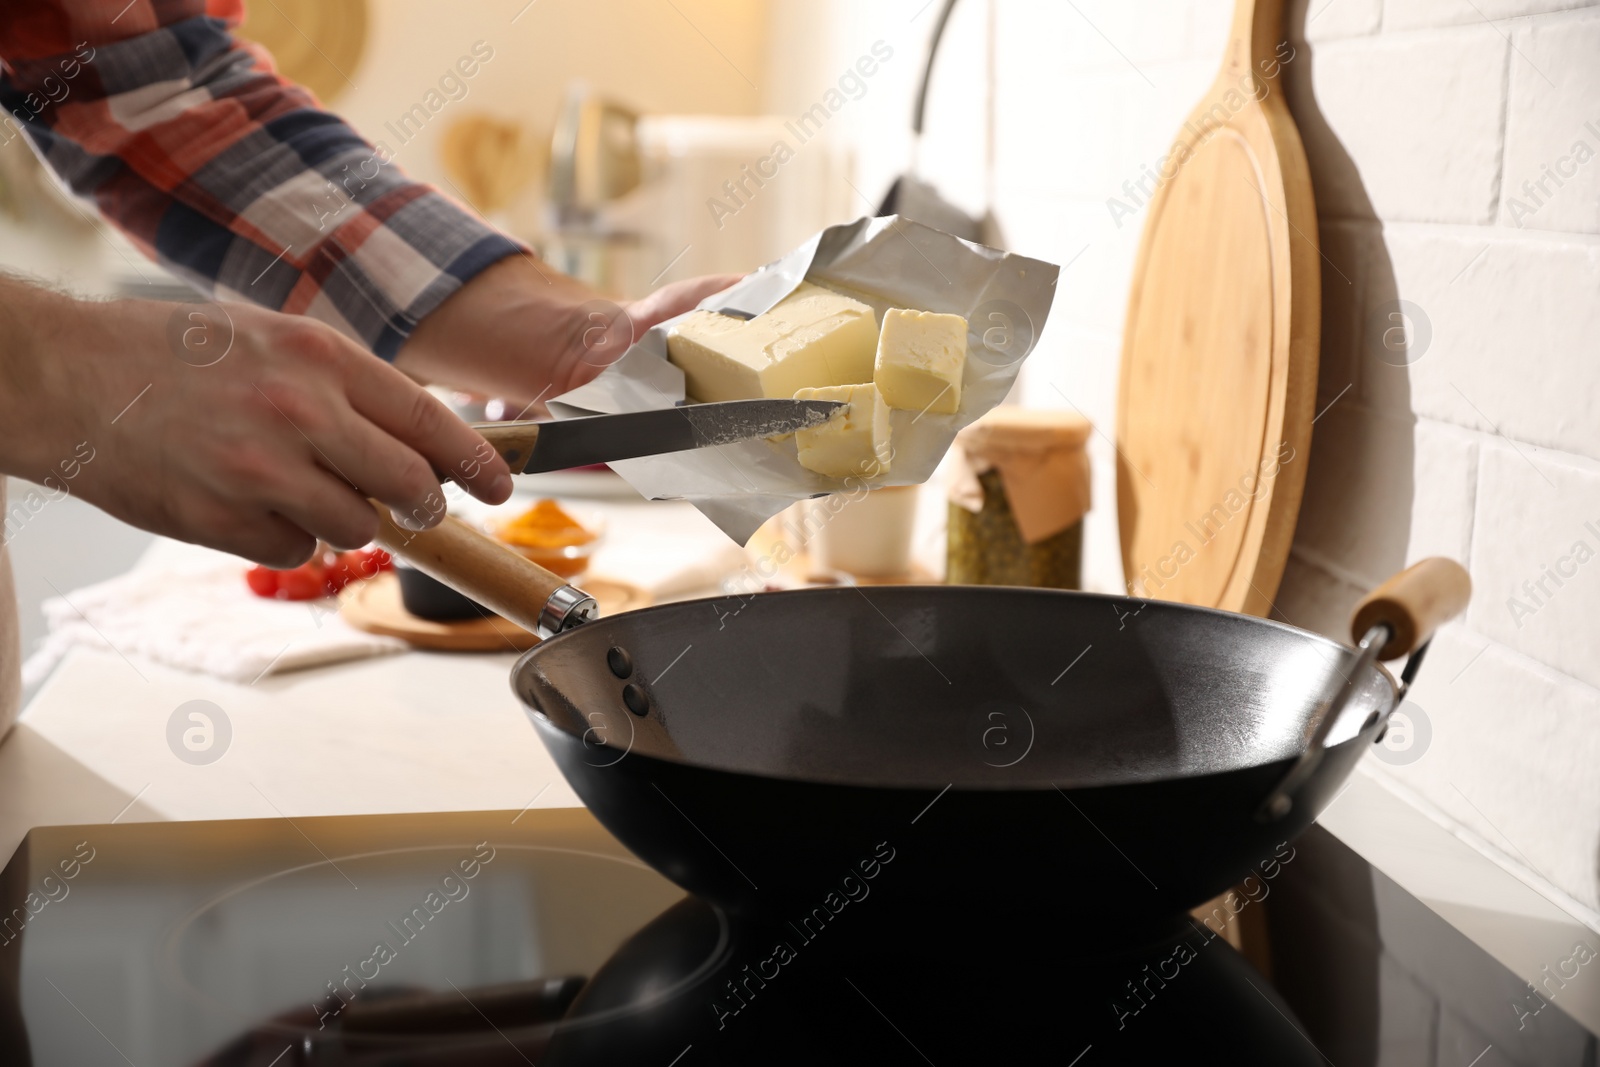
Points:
x=532 y=447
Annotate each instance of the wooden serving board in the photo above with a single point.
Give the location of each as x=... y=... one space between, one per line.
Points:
x=375 y=606
x=1219 y=356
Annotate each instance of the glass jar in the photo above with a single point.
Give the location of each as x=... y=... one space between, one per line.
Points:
x=1019 y=491
x=986 y=548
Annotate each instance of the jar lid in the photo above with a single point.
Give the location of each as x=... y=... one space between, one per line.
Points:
x=1041 y=461
x=1017 y=429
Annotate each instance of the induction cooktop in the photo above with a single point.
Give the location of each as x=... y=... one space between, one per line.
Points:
x=535 y=938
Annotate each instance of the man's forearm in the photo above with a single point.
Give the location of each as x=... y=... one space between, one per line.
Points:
x=516 y=330
x=247 y=190
x=27 y=313
x=524 y=331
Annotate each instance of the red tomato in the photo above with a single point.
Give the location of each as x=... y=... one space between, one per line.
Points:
x=342 y=568
x=302 y=583
x=263 y=581
x=325 y=574
x=360 y=565
x=336 y=577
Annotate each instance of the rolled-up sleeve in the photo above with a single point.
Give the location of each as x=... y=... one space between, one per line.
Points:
x=234 y=179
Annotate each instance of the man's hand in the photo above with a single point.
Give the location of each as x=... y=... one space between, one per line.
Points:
x=521 y=329
x=670 y=301
x=227 y=425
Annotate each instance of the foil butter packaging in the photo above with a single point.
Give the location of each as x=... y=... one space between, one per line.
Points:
x=885 y=262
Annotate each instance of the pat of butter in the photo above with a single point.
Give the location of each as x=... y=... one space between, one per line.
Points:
x=812 y=337
x=855 y=441
x=921 y=355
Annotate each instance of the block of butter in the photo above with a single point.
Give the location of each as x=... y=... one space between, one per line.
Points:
x=920 y=359
x=812 y=337
x=855 y=441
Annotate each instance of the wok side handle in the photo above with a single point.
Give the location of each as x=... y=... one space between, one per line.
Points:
x=1413 y=604
x=1396 y=618
x=500 y=579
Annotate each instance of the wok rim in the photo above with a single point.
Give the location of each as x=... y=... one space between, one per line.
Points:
x=527 y=658
x=1062 y=785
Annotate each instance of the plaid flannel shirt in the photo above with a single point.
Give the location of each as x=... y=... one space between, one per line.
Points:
x=231 y=177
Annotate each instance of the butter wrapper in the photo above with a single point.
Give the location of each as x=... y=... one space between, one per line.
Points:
x=885 y=262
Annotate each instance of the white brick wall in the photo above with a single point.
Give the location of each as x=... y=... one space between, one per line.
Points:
x=1553 y=135
x=1515 y=323
x=1422 y=120
x=1484 y=446
x=1404 y=128
x=1383 y=488
x=1536 y=557
x=1513 y=755
x=1327 y=20
x=1412 y=14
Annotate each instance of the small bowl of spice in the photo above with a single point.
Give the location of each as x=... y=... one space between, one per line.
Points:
x=550 y=536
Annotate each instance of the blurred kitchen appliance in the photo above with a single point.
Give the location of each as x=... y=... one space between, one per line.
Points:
x=594 y=156
x=640 y=200
x=726 y=193
x=594 y=161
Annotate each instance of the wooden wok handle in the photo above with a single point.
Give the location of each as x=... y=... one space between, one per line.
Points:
x=1413 y=604
x=513 y=440
x=500 y=579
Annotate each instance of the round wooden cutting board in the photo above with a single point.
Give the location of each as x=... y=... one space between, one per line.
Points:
x=375 y=606
x=1219 y=356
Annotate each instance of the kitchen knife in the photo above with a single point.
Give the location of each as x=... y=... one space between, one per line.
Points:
x=531 y=447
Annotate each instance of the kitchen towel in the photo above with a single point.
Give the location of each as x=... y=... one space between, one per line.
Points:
x=197 y=614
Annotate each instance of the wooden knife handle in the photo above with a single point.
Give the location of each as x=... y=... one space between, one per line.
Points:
x=473 y=563
x=513 y=440
x=1413 y=604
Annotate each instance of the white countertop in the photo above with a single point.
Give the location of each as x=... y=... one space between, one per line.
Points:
x=423 y=731
x=417 y=731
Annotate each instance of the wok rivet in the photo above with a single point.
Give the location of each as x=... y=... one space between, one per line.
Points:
x=620 y=662
x=636 y=699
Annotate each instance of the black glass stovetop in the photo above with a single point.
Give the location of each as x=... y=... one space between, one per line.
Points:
x=534 y=938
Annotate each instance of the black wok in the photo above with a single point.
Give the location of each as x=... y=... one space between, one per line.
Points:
x=960 y=755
